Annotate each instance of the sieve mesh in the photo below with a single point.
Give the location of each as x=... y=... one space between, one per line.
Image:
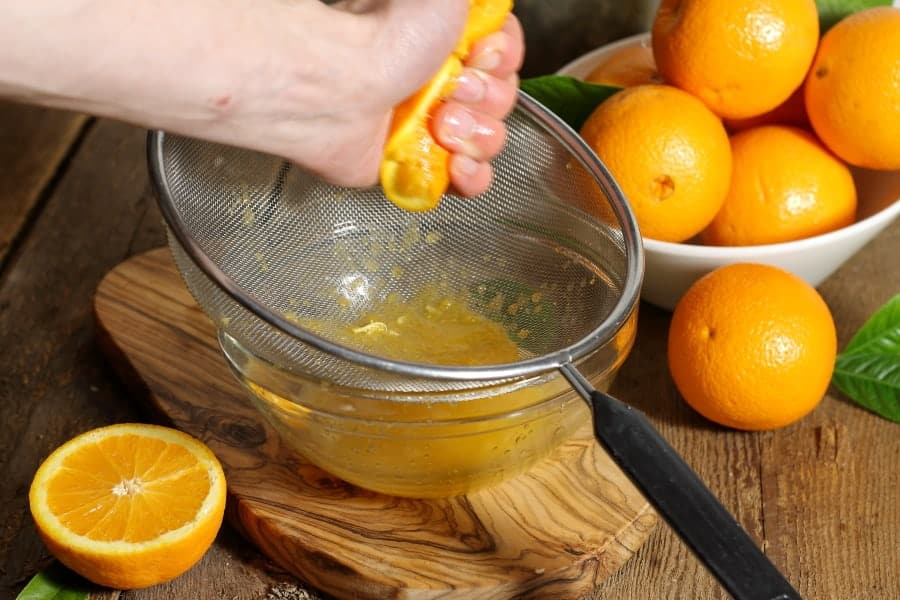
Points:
x=286 y=244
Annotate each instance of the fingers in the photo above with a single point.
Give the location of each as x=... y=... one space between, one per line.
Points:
x=470 y=177
x=464 y=131
x=489 y=81
x=500 y=53
x=485 y=93
x=469 y=124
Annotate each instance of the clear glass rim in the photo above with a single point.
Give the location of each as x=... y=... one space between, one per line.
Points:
x=488 y=389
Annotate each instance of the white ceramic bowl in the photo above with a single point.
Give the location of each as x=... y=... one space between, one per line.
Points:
x=671 y=268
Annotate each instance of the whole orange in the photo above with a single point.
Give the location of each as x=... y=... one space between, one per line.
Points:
x=741 y=57
x=785 y=185
x=752 y=347
x=668 y=152
x=627 y=67
x=853 y=89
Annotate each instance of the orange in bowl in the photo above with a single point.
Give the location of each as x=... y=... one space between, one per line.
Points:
x=742 y=59
x=785 y=186
x=671 y=268
x=853 y=89
x=668 y=152
x=790 y=112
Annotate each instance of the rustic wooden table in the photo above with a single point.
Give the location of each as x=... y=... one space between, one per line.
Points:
x=820 y=496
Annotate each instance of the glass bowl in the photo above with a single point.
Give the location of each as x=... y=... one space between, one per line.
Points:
x=282 y=262
x=420 y=443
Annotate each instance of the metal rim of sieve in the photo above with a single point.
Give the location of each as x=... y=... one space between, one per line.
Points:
x=552 y=125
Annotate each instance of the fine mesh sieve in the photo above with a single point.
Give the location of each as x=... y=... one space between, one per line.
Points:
x=286 y=243
x=265 y=246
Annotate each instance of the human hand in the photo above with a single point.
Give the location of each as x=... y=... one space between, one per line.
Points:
x=310 y=82
x=410 y=41
x=470 y=124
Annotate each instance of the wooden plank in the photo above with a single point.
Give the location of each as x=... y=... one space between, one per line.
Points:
x=727 y=461
x=841 y=540
x=820 y=495
x=33 y=143
x=56 y=383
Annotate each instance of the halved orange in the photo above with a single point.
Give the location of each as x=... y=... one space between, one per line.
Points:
x=130 y=505
x=415 y=168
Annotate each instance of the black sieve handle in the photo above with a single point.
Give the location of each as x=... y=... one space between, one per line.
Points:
x=686 y=503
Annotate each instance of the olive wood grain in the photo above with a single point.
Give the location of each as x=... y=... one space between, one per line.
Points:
x=555 y=531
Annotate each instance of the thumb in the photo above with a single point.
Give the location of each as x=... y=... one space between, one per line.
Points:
x=413 y=40
x=408 y=42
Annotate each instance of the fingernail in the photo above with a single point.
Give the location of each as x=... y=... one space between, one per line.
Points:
x=491 y=50
x=458 y=124
x=465 y=165
x=470 y=87
x=486 y=60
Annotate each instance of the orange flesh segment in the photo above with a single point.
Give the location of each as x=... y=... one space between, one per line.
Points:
x=415 y=168
x=108 y=492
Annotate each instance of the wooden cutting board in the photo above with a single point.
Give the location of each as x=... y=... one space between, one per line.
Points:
x=555 y=531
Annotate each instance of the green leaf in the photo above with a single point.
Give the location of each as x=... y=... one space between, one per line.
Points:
x=871 y=380
x=832 y=11
x=881 y=333
x=571 y=99
x=55 y=583
x=868 y=371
